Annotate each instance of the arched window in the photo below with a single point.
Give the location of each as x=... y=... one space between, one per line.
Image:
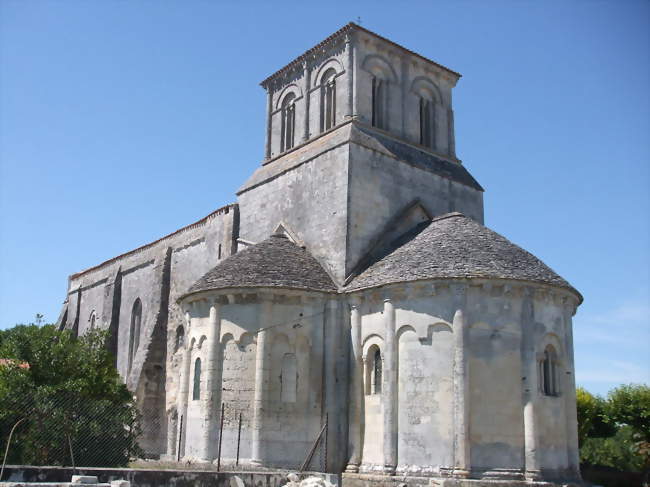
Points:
x=289 y=378
x=134 y=335
x=91 y=321
x=196 y=390
x=549 y=377
x=180 y=338
x=426 y=127
x=373 y=370
x=288 y=122
x=378 y=102
x=328 y=100
x=376 y=373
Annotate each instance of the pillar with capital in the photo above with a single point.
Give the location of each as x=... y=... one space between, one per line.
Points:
x=529 y=388
x=261 y=366
x=389 y=399
x=184 y=385
x=573 y=453
x=212 y=390
x=461 y=397
x=356 y=386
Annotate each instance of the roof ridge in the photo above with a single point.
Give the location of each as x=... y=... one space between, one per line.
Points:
x=451 y=214
x=198 y=223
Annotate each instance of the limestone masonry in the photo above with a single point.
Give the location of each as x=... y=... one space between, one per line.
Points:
x=353 y=280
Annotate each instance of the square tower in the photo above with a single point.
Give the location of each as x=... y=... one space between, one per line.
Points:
x=359 y=142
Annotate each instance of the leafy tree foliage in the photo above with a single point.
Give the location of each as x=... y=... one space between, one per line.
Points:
x=593 y=420
x=615 y=432
x=70 y=396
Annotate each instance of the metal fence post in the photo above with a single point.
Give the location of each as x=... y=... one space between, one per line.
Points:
x=223 y=405
x=238 y=439
x=180 y=439
x=74 y=467
x=8 y=443
x=326 y=437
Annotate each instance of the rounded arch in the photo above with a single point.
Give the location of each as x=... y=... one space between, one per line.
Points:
x=404 y=329
x=434 y=329
x=292 y=91
x=549 y=382
x=192 y=343
x=425 y=88
x=245 y=339
x=369 y=341
x=226 y=337
x=373 y=370
x=331 y=64
x=378 y=66
x=278 y=338
x=92 y=320
x=551 y=339
x=202 y=339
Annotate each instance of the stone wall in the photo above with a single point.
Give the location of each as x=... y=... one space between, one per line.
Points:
x=507 y=430
x=155 y=275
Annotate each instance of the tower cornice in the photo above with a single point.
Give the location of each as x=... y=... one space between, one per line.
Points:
x=346 y=32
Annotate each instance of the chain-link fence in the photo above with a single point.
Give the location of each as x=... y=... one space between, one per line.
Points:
x=59 y=429
x=50 y=428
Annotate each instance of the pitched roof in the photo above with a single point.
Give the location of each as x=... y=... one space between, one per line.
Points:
x=373 y=139
x=351 y=26
x=274 y=262
x=455 y=246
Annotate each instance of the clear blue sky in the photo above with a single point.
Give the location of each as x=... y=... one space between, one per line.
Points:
x=122 y=121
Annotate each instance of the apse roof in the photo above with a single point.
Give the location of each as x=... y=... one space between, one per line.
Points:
x=274 y=262
x=454 y=246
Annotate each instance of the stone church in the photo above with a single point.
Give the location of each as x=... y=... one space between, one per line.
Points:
x=352 y=282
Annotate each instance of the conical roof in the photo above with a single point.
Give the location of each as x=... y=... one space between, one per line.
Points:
x=455 y=246
x=274 y=262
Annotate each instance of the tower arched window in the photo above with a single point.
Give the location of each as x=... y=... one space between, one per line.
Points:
x=91 y=321
x=328 y=100
x=426 y=125
x=378 y=102
x=196 y=389
x=134 y=332
x=549 y=372
x=288 y=122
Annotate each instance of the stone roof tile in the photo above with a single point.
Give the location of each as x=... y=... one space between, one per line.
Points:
x=455 y=246
x=274 y=262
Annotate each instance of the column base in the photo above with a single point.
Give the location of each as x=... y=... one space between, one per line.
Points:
x=532 y=475
x=460 y=473
x=352 y=468
x=389 y=470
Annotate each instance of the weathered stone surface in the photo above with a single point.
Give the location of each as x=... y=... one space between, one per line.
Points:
x=275 y=262
x=84 y=479
x=390 y=311
x=454 y=246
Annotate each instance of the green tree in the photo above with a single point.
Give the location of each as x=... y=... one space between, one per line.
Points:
x=629 y=405
x=615 y=432
x=71 y=396
x=593 y=419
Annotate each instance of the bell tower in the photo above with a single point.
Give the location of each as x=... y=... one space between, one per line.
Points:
x=359 y=145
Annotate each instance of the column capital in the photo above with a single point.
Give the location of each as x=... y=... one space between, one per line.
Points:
x=355 y=301
x=265 y=297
